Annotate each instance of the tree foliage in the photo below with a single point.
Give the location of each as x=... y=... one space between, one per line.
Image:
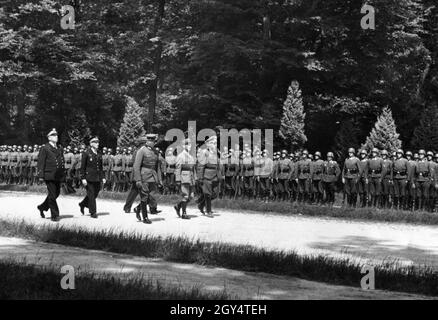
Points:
x=133 y=125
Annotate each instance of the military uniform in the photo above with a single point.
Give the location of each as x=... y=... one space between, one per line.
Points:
x=169 y=182
x=14 y=166
x=330 y=176
x=316 y=173
x=304 y=178
x=68 y=160
x=118 y=168
x=147 y=175
x=400 y=175
x=362 y=183
x=422 y=180
x=185 y=177
x=129 y=163
x=283 y=174
x=34 y=165
x=247 y=175
x=92 y=172
x=376 y=170
x=386 y=181
x=350 y=175
x=4 y=165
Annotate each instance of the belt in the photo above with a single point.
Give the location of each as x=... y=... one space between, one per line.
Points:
x=425 y=174
x=172 y=166
x=352 y=170
x=149 y=167
x=376 y=171
x=400 y=172
x=285 y=171
x=210 y=167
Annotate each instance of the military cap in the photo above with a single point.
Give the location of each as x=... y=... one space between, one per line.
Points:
x=151 y=136
x=400 y=151
x=94 y=139
x=421 y=152
x=330 y=155
x=351 y=150
x=52 y=132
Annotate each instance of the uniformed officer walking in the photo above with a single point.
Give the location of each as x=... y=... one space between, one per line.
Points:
x=147 y=175
x=92 y=176
x=51 y=170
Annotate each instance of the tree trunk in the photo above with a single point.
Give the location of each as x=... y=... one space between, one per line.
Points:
x=157 y=65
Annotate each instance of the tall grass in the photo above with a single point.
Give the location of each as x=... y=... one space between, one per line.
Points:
x=23 y=281
x=245 y=258
x=278 y=207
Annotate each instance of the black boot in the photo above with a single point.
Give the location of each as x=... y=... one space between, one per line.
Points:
x=201 y=204
x=208 y=205
x=137 y=212
x=178 y=209
x=184 y=210
x=144 y=213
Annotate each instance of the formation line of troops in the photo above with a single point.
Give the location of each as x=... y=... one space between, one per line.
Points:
x=374 y=178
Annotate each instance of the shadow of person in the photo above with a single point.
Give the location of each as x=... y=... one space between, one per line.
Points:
x=192 y=216
x=103 y=214
x=66 y=216
x=156 y=219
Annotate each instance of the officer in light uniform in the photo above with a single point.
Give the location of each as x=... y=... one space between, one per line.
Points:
x=185 y=177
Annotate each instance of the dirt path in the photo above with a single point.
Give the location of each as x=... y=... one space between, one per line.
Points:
x=377 y=242
x=240 y=285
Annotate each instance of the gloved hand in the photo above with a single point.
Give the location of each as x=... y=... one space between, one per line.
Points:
x=84 y=182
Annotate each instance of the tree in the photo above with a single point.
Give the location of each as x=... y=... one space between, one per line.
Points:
x=426 y=134
x=132 y=126
x=384 y=134
x=292 y=122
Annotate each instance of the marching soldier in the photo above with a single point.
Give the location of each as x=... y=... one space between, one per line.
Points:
x=185 y=176
x=303 y=177
x=330 y=175
x=92 y=177
x=386 y=179
x=51 y=170
x=210 y=175
x=147 y=175
x=118 y=167
x=316 y=168
x=362 y=184
x=169 y=186
x=350 y=176
x=401 y=179
x=376 y=172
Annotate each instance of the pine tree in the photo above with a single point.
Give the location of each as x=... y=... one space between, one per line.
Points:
x=292 y=122
x=132 y=126
x=348 y=136
x=384 y=134
x=426 y=134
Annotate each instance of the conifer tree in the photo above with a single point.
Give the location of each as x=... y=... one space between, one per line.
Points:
x=384 y=134
x=292 y=122
x=426 y=134
x=133 y=125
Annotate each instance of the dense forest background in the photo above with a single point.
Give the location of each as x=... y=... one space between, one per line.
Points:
x=225 y=63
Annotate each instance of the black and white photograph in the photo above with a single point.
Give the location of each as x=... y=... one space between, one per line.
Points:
x=218 y=155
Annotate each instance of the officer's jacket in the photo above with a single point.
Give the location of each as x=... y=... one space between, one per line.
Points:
x=434 y=168
x=185 y=168
x=247 y=167
x=118 y=163
x=294 y=170
x=267 y=168
x=303 y=169
x=4 y=158
x=34 y=159
x=68 y=159
x=25 y=159
x=412 y=168
x=231 y=167
x=351 y=168
x=77 y=159
x=387 y=169
x=211 y=169
x=284 y=169
x=51 y=163
x=106 y=162
x=363 y=167
x=129 y=162
x=423 y=171
x=376 y=168
x=400 y=169
x=91 y=166
x=316 y=169
x=170 y=164
x=146 y=166
x=331 y=171
x=14 y=159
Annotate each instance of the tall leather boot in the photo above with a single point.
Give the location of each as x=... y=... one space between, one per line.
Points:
x=144 y=213
x=201 y=203
x=184 y=210
x=208 y=205
x=178 y=208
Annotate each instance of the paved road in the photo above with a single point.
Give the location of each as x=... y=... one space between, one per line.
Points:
x=237 y=284
x=408 y=244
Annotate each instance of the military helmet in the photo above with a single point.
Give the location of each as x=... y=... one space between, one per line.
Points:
x=351 y=150
x=375 y=150
x=415 y=155
x=305 y=152
x=429 y=153
x=408 y=153
x=400 y=151
x=436 y=156
x=362 y=151
x=422 y=152
x=330 y=155
x=318 y=154
x=384 y=152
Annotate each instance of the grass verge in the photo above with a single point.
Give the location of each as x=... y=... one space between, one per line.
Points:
x=278 y=208
x=23 y=281
x=390 y=276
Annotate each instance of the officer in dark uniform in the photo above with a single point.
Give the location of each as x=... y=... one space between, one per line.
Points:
x=51 y=170
x=92 y=176
x=330 y=175
x=316 y=171
x=350 y=177
x=362 y=184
